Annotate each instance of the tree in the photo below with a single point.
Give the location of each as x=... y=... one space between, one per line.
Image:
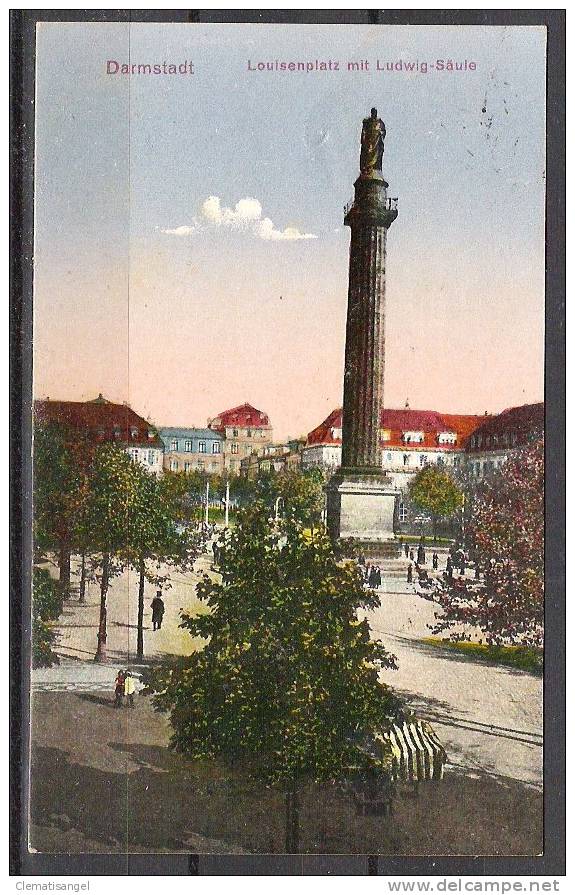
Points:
x=46 y=607
x=303 y=496
x=155 y=535
x=62 y=461
x=287 y=684
x=113 y=494
x=435 y=492
x=507 y=537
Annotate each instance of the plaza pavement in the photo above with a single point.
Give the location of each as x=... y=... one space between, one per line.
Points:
x=489 y=717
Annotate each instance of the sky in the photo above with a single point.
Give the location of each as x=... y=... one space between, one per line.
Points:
x=190 y=250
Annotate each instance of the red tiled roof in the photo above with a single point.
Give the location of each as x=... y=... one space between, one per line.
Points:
x=101 y=420
x=525 y=421
x=464 y=425
x=430 y=422
x=243 y=415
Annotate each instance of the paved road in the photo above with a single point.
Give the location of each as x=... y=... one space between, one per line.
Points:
x=489 y=717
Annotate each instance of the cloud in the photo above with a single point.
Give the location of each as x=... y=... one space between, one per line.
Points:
x=246 y=217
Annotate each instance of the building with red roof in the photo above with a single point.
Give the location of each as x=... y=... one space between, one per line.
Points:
x=246 y=431
x=411 y=439
x=501 y=435
x=103 y=421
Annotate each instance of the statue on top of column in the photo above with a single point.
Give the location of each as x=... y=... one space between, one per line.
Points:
x=372 y=137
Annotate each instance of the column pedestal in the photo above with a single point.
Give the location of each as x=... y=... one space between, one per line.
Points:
x=362 y=506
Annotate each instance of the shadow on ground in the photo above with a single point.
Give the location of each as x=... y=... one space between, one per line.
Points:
x=104 y=780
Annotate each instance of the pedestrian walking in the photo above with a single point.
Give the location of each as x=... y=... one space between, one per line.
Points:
x=462 y=567
x=119 y=688
x=421 y=555
x=410 y=574
x=435 y=561
x=158 y=610
x=477 y=571
x=406 y=550
x=449 y=565
x=129 y=688
x=412 y=555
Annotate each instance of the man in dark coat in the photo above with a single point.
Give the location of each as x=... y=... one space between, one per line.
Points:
x=410 y=574
x=435 y=560
x=158 y=610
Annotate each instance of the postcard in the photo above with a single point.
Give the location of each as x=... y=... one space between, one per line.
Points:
x=288 y=440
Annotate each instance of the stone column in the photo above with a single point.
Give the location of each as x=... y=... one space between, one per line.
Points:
x=369 y=217
x=360 y=498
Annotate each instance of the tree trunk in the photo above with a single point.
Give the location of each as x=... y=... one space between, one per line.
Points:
x=292 y=820
x=434 y=520
x=102 y=630
x=64 y=566
x=83 y=580
x=140 y=646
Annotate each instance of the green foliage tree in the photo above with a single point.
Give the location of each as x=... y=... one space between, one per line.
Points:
x=156 y=536
x=113 y=495
x=507 y=539
x=434 y=491
x=46 y=607
x=62 y=463
x=303 y=496
x=287 y=685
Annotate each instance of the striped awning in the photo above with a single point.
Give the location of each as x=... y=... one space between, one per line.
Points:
x=416 y=750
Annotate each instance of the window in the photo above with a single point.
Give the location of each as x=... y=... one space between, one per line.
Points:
x=174 y=465
x=402 y=512
x=201 y=464
x=389 y=457
x=188 y=446
x=456 y=461
x=249 y=433
x=202 y=447
x=440 y=461
x=134 y=433
x=187 y=467
x=174 y=445
x=215 y=447
x=234 y=433
x=234 y=448
x=151 y=457
x=406 y=459
x=413 y=437
x=423 y=459
x=136 y=455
